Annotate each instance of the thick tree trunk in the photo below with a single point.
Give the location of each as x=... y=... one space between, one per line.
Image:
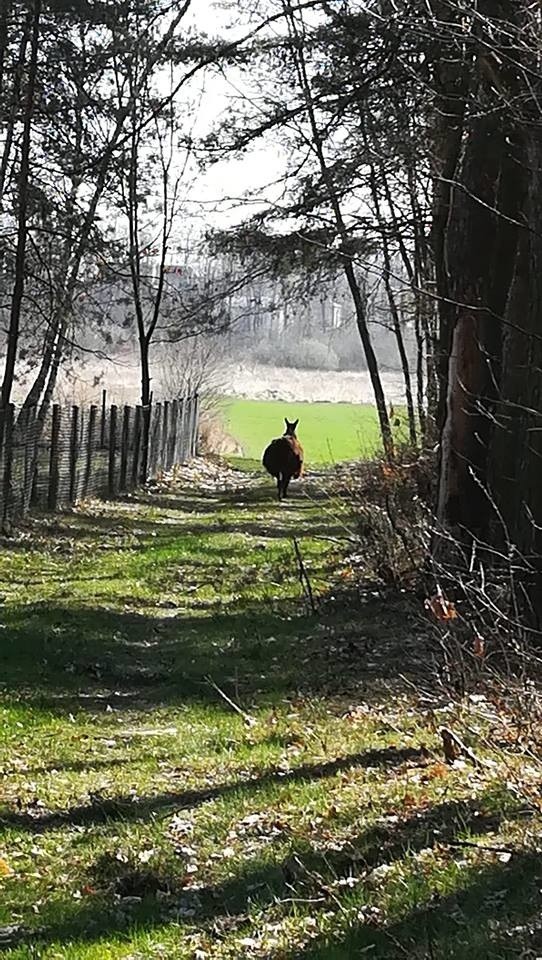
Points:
x=481 y=242
x=145 y=371
x=451 y=84
x=516 y=455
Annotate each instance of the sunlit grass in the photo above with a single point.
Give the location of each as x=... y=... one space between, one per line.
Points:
x=329 y=432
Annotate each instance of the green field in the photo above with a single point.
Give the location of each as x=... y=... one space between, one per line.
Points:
x=329 y=432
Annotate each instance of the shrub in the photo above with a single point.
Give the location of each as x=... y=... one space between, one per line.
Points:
x=303 y=354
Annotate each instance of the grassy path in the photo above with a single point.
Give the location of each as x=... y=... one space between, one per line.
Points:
x=142 y=817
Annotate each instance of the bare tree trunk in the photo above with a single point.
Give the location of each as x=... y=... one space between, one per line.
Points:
x=392 y=302
x=425 y=319
x=135 y=259
x=403 y=357
x=296 y=49
x=451 y=83
x=5 y=11
x=15 y=95
x=145 y=371
x=22 y=216
x=420 y=372
x=428 y=326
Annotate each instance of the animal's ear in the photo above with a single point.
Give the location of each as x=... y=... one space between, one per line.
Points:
x=295 y=423
x=286 y=421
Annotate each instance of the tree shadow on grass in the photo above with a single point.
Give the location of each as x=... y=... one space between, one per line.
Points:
x=182 y=509
x=497 y=895
x=128 y=809
x=56 y=656
x=213 y=501
x=495 y=915
x=222 y=514
x=311 y=871
x=67 y=766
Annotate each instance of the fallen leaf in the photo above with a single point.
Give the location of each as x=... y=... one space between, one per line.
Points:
x=441 y=608
x=478 y=646
x=436 y=771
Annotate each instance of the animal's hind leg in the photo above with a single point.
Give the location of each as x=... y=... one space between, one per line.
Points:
x=285 y=483
x=279 y=486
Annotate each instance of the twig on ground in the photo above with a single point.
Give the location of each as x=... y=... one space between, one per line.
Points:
x=304 y=577
x=481 y=846
x=454 y=747
x=301 y=900
x=250 y=721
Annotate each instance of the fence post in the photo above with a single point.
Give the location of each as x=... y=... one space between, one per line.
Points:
x=146 y=414
x=195 y=419
x=182 y=431
x=54 y=474
x=93 y=413
x=102 y=426
x=29 y=444
x=164 y=436
x=112 y=448
x=74 y=452
x=124 y=445
x=155 y=439
x=172 y=434
x=136 y=448
x=178 y=429
x=8 y=416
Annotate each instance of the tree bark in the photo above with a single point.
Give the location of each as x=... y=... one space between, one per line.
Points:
x=22 y=215
x=451 y=83
x=481 y=241
x=517 y=448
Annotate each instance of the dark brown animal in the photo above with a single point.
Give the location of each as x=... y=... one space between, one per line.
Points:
x=283 y=458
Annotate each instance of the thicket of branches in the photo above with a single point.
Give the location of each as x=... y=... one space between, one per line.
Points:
x=97 y=107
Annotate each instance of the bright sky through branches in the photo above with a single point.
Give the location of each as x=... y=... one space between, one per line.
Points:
x=233 y=188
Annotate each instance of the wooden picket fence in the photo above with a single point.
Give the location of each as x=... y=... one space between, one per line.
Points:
x=54 y=459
